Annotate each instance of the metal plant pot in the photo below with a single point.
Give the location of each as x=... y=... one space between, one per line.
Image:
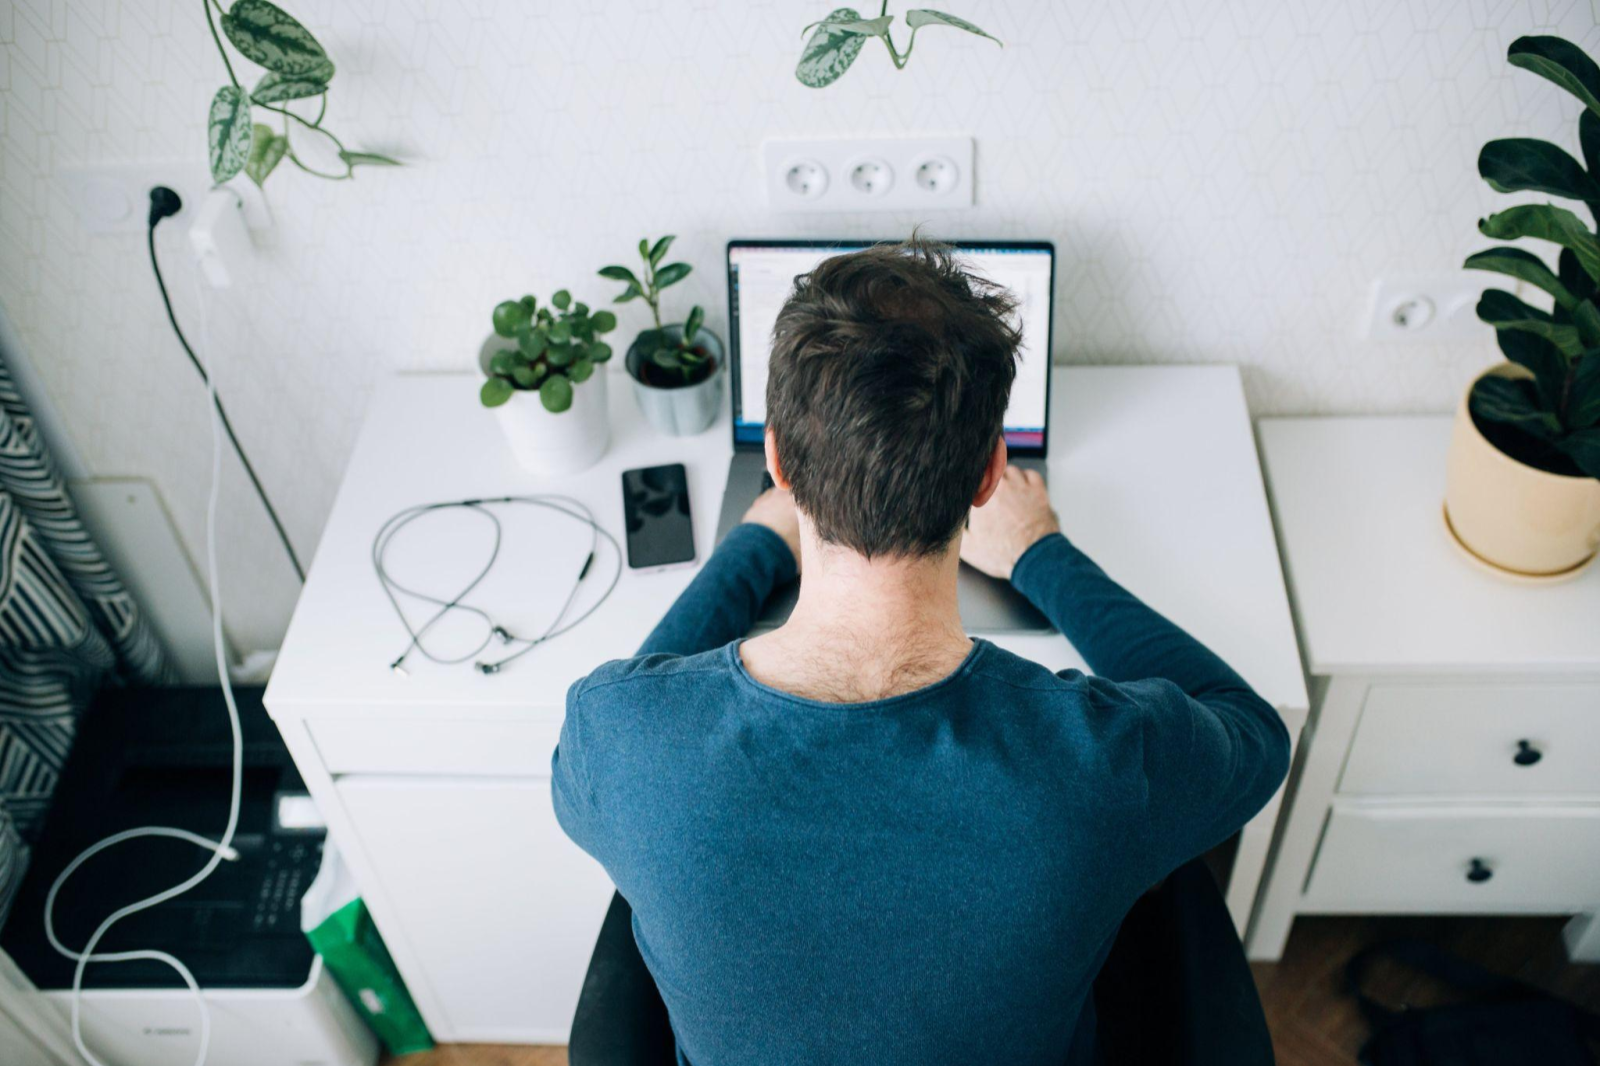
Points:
x=676 y=410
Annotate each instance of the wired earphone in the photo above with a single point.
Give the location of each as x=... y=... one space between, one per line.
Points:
x=565 y=505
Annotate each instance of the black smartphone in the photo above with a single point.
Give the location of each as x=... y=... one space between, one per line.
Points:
x=655 y=509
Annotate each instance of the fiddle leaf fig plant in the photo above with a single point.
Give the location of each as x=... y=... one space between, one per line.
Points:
x=838 y=39
x=1553 y=416
x=556 y=347
x=297 y=68
x=684 y=361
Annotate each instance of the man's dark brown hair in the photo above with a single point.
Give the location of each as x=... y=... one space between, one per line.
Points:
x=890 y=372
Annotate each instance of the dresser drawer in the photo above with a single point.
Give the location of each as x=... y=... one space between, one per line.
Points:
x=1489 y=739
x=1457 y=859
x=488 y=749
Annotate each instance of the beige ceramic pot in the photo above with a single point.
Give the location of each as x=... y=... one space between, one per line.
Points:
x=1521 y=519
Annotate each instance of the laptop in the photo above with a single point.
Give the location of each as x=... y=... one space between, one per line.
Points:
x=761 y=275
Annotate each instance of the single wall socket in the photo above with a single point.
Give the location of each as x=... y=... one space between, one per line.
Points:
x=869 y=174
x=115 y=197
x=1427 y=308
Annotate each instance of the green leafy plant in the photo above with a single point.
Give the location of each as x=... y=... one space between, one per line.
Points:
x=557 y=346
x=837 y=40
x=297 y=68
x=1551 y=419
x=683 y=361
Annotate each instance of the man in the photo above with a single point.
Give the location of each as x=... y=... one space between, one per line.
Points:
x=865 y=837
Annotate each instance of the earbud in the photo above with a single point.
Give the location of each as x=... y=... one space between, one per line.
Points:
x=487 y=668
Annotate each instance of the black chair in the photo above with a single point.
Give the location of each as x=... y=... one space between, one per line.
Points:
x=1175 y=990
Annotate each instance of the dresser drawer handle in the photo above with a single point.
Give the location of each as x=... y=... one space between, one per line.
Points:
x=1479 y=872
x=1526 y=754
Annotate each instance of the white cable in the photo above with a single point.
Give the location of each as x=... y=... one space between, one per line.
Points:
x=220 y=849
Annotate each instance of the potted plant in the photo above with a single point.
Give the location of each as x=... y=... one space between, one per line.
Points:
x=539 y=367
x=1523 y=484
x=676 y=369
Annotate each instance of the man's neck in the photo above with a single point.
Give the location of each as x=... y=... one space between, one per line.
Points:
x=864 y=629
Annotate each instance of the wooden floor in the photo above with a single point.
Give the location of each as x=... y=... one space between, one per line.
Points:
x=1313 y=1023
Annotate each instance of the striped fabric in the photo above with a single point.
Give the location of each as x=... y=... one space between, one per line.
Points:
x=67 y=626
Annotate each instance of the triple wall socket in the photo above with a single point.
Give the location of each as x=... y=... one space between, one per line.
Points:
x=869 y=174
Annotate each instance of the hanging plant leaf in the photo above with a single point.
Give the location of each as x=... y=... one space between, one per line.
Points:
x=921 y=17
x=1589 y=140
x=1561 y=62
x=495 y=392
x=556 y=394
x=270 y=36
x=266 y=151
x=275 y=88
x=356 y=159
x=1550 y=223
x=1524 y=266
x=228 y=129
x=831 y=50
x=1524 y=164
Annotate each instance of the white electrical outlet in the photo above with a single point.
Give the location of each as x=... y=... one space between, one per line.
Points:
x=1427 y=308
x=115 y=197
x=869 y=174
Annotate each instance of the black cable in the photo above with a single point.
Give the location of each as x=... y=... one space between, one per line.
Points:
x=238 y=449
x=562 y=504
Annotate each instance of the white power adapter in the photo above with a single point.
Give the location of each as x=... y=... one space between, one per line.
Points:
x=219 y=237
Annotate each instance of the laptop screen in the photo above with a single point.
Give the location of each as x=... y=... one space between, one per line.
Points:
x=761 y=275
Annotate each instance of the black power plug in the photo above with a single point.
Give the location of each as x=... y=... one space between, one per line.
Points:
x=164 y=203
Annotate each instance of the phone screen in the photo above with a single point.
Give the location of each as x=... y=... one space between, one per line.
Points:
x=655 y=508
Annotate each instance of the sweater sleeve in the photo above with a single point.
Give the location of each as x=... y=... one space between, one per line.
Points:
x=726 y=596
x=1214 y=752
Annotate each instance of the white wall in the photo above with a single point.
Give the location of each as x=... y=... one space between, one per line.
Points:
x=1224 y=179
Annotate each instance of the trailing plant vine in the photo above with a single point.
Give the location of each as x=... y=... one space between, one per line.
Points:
x=838 y=39
x=297 y=68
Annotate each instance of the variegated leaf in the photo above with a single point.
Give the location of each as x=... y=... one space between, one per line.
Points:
x=275 y=88
x=228 y=130
x=830 y=51
x=921 y=17
x=270 y=36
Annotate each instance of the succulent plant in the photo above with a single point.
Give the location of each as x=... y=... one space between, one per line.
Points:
x=684 y=363
x=556 y=347
x=1551 y=419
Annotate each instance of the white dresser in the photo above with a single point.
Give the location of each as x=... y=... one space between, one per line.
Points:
x=1451 y=764
x=437 y=784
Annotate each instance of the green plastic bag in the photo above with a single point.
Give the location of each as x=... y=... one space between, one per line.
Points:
x=355 y=956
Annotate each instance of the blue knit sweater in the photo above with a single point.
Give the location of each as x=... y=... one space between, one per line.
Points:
x=929 y=879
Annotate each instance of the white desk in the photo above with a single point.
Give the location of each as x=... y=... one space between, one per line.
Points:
x=436 y=785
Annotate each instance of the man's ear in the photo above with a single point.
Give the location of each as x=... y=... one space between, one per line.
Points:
x=992 y=473
x=773 y=466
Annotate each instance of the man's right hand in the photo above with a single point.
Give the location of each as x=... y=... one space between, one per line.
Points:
x=1016 y=517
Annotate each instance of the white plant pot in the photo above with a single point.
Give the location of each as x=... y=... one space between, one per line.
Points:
x=1527 y=521
x=562 y=443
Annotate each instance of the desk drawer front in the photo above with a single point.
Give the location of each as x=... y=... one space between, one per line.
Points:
x=1490 y=739
x=433 y=748
x=1458 y=859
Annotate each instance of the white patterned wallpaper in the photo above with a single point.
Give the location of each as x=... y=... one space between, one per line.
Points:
x=1224 y=179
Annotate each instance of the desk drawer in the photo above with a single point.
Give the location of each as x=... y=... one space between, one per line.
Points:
x=1480 y=859
x=480 y=749
x=1489 y=739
